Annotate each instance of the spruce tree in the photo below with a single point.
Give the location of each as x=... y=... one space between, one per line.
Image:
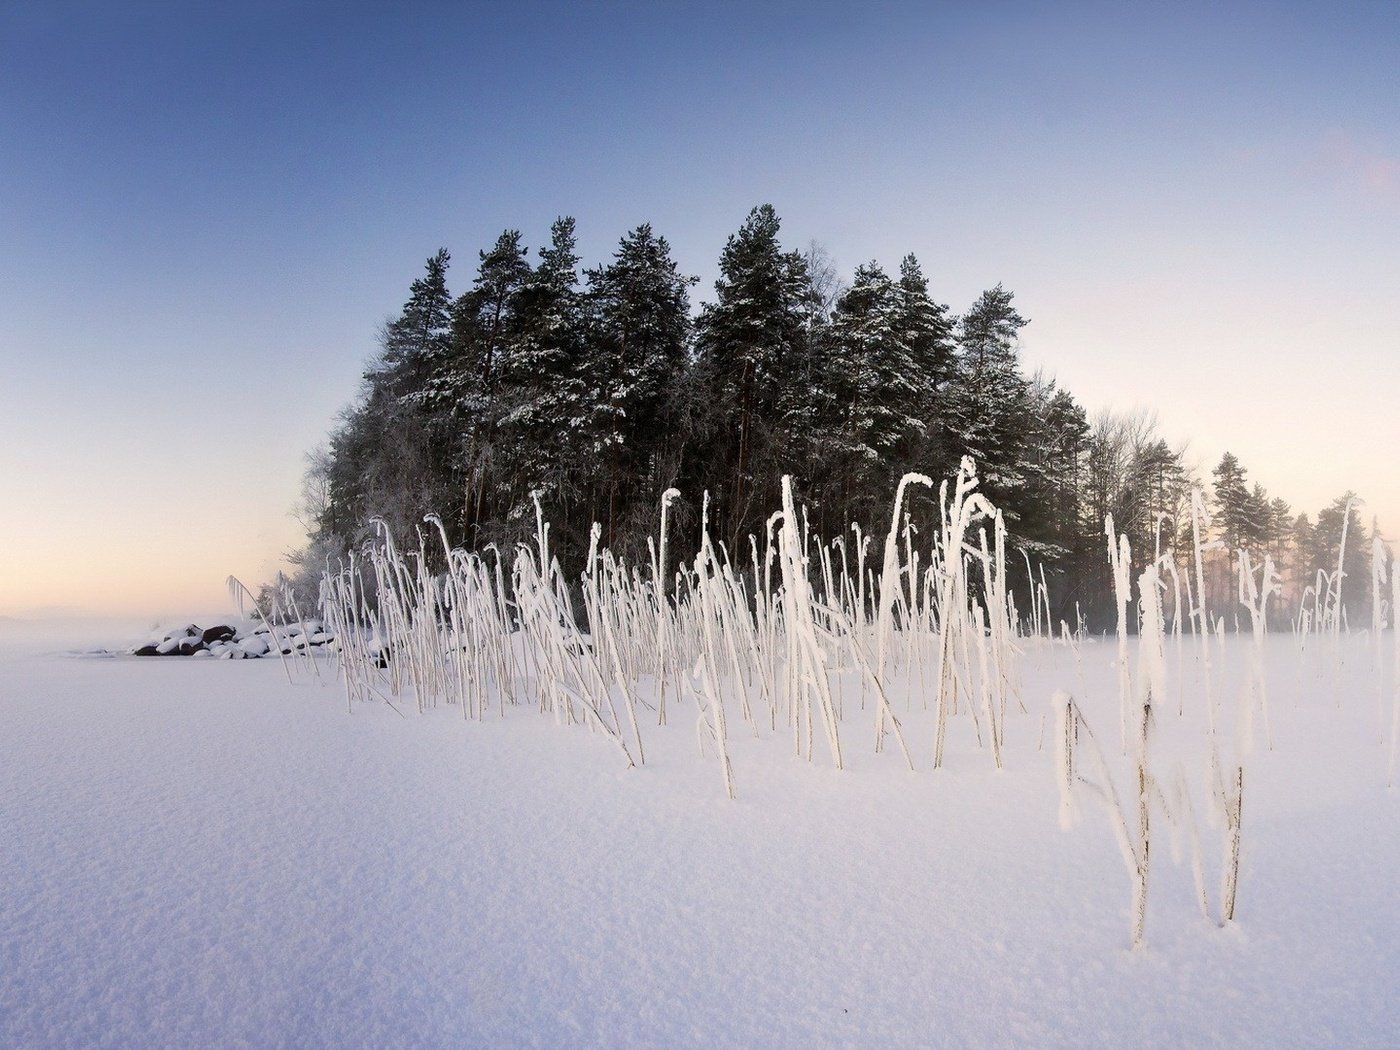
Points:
x=634 y=375
x=1302 y=538
x=1280 y=525
x=386 y=458
x=1258 y=518
x=988 y=398
x=806 y=405
x=927 y=330
x=750 y=344
x=1053 y=462
x=540 y=400
x=877 y=397
x=483 y=327
x=1233 y=511
x=1342 y=518
x=417 y=343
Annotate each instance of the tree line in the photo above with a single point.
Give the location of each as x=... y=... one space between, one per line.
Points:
x=595 y=390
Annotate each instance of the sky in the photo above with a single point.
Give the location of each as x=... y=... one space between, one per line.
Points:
x=207 y=211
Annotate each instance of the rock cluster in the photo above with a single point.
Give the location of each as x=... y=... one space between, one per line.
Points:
x=233 y=643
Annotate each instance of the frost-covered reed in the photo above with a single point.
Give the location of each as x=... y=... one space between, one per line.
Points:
x=1395 y=670
x=806 y=641
x=791 y=637
x=1131 y=811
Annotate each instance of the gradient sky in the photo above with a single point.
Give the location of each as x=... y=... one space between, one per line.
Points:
x=206 y=211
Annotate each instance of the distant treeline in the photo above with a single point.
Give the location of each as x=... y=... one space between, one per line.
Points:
x=596 y=390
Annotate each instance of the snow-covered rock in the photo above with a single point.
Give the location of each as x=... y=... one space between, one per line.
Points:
x=248 y=642
x=254 y=645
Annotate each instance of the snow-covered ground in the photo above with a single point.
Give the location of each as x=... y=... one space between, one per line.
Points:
x=197 y=853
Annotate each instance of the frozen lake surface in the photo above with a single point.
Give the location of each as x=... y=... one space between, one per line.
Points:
x=196 y=853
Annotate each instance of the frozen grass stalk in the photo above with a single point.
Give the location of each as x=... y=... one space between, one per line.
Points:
x=1135 y=851
x=1378 y=622
x=1395 y=672
x=1232 y=799
x=1255 y=597
x=1120 y=559
x=242 y=595
x=889 y=581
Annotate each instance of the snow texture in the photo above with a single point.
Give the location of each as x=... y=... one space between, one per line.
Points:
x=198 y=853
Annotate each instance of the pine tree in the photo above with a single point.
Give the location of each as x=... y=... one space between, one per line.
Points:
x=1164 y=492
x=988 y=397
x=876 y=397
x=1300 y=542
x=806 y=407
x=1258 y=517
x=595 y=398
x=417 y=343
x=750 y=344
x=1279 y=529
x=386 y=457
x=635 y=374
x=927 y=330
x=540 y=396
x=1342 y=518
x=482 y=331
x=1233 y=510
x=1053 y=462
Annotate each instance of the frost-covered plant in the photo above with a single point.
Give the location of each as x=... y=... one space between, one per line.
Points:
x=1120 y=559
x=1337 y=612
x=1135 y=848
x=776 y=640
x=956 y=623
x=711 y=727
x=1091 y=772
x=1395 y=672
x=806 y=660
x=242 y=599
x=890 y=572
x=1255 y=597
x=1201 y=519
x=664 y=623
x=1378 y=576
x=1231 y=799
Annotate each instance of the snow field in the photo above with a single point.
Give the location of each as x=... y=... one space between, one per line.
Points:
x=202 y=854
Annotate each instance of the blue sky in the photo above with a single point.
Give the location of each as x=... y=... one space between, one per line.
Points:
x=209 y=210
